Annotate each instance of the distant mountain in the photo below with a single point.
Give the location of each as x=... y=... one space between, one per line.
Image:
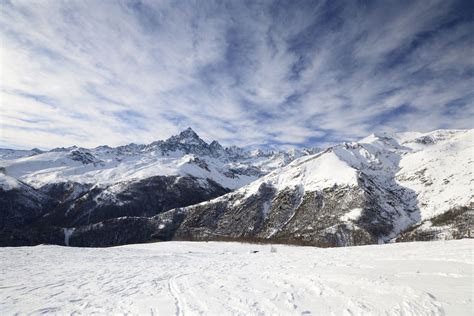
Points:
x=181 y=155
x=69 y=187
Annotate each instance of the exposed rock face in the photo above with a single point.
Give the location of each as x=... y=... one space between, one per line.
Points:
x=321 y=218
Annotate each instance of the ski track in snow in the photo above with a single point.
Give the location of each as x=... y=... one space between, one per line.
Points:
x=193 y=278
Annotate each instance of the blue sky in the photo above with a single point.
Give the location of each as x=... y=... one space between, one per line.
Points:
x=247 y=73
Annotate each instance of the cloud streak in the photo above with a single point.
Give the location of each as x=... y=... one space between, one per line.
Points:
x=263 y=73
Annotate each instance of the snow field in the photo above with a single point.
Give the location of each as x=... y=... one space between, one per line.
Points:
x=192 y=278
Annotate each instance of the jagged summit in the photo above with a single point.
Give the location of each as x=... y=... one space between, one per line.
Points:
x=186 y=142
x=188 y=136
x=189 y=142
x=215 y=144
x=189 y=132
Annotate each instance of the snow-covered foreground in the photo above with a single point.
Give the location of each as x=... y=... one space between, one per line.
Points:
x=190 y=278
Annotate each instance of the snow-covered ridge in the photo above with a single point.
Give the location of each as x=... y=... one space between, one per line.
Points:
x=185 y=154
x=17 y=153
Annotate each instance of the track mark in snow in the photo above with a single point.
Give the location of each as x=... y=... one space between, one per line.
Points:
x=175 y=293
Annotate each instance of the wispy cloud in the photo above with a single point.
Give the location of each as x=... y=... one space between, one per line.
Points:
x=245 y=73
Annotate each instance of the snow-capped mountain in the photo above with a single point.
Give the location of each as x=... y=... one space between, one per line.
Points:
x=386 y=187
x=79 y=186
x=185 y=154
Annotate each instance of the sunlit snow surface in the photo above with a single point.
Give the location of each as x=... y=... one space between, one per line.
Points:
x=186 y=278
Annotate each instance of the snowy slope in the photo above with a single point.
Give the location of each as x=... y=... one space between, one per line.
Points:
x=58 y=167
x=309 y=173
x=440 y=168
x=437 y=166
x=186 y=278
x=17 y=153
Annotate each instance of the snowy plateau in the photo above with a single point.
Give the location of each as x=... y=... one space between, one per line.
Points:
x=218 y=278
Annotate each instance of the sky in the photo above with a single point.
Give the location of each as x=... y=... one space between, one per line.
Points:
x=246 y=73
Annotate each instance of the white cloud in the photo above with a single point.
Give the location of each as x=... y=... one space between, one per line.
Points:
x=91 y=73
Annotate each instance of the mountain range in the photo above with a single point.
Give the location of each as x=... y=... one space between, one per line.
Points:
x=386 y=187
